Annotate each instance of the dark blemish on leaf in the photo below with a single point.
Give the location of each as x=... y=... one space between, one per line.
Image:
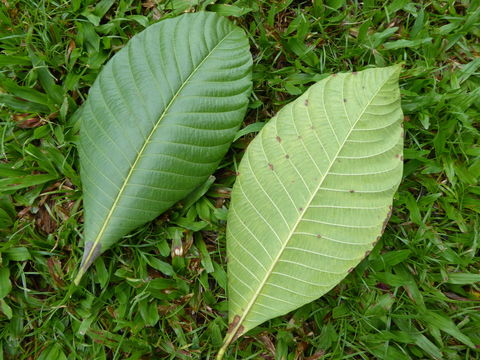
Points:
x=401 y=125
x=344 y=100
x=333 y=75
x=301 y=209
x=270 y=166
x=312 y=127
x=401 y=158
x=300 y=137
x=238 y=333
x=279 y=139
x=319 y=236
x=397 y=155
x=385 y=222
x=363 y=87
x=287 y=156
x=384 y=225
x=352 y=191
x=306 y=102
x=233 y=324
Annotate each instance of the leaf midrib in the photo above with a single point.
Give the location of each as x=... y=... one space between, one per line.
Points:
x=142 y=150
x=300 y=216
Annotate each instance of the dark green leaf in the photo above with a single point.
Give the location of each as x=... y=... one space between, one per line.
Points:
x=157 y=121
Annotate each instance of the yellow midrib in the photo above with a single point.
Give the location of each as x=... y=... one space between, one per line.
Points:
x=142 y=150
x=300 y=217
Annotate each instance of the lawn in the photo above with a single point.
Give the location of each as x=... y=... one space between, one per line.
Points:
x=160 y=292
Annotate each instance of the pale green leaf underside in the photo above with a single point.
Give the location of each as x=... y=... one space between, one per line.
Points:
x=314 y=192
x=158 y=119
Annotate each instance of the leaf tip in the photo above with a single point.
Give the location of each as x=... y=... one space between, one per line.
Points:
x=91 y=252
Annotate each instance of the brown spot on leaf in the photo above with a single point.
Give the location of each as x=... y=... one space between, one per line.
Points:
x=384 y=225
x=350 y=270
x=233 y=324
x=306 y=102
x=278 y=138
x=401 y=158
x=344 y=100
x=270 y=166
x=238 y=333
x=385 y=222
x=300 y=137
x=352 y=191
x=319 y=236
x=287 y=156
x=333 y=75
x=301 y=209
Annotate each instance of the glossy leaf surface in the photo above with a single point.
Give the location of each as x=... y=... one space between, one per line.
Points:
x=313 y=195
x=157 y=121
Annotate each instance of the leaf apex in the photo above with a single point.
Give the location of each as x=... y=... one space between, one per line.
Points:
x=91 y=252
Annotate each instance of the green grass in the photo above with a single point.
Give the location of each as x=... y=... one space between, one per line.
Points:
x=417 y=296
